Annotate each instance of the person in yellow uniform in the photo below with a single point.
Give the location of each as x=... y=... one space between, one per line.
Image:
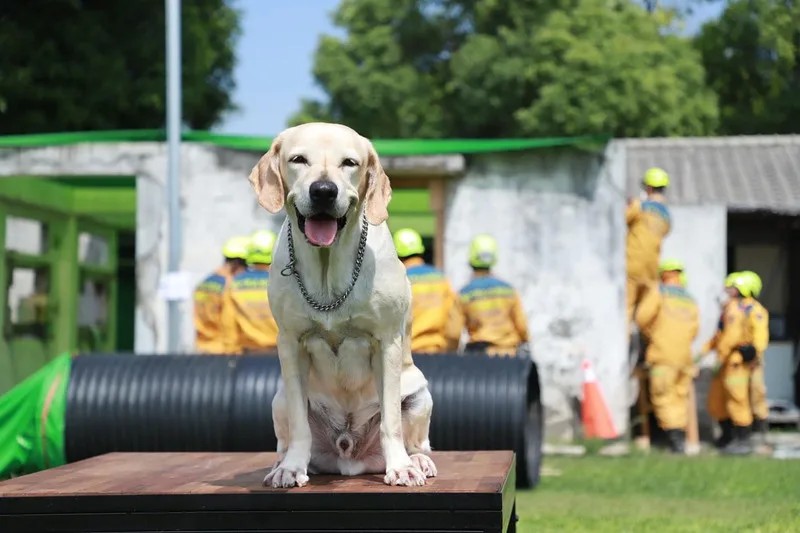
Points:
x=208 y=297
x=729 y=392
x=247 y=321
x=758 y=320
x=434 y=318
x=669 y=320
x=648 y=222
x=490 y=308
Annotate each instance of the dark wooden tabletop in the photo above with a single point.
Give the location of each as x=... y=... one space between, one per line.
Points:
x=236 y=473
x=205 y=491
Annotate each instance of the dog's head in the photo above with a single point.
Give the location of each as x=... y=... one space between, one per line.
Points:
x=323 y=174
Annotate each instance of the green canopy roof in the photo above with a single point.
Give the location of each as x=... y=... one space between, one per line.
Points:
x=385 y=147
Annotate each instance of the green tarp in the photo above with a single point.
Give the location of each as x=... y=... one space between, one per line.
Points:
x=385 y=147
x=32 y=421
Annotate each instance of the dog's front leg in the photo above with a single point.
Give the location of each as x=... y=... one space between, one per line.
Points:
x=293 y=467
x=387 y=364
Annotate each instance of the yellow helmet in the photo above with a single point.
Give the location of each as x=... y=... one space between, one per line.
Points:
x=670 y=265
x=740 y=282
x=656 y=177
x=236 y=248
x=408 y=242
x=260 y=249
x=755 y=282
x=483 y=251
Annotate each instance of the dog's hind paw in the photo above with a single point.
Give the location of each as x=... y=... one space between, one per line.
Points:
x=280 y=477
x=409 y=476
x=424 y=464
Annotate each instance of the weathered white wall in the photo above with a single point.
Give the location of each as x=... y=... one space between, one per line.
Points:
x=557 y=214
x=558 y=218
x=146 y=161
x=699 y=238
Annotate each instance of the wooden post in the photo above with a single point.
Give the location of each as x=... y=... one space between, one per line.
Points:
x=436 y=186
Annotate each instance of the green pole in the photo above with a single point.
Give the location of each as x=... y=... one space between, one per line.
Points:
x=113 y=293
x=3 y=274
x=65 y=287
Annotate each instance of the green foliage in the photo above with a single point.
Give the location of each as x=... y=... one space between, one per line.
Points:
x=663 y=493
x=93 y=64
x=506 y=68
x=752 y=58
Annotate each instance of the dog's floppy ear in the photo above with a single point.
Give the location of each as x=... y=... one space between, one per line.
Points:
x=378 y=190
x=266 y=178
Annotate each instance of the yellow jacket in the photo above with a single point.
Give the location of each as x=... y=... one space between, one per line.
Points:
x=669 y=318
x=648 y=223
x=757 y=332
x=731 y=333
x=435 y=325
x=492 y=312
x=208 y=302
x=247 y=321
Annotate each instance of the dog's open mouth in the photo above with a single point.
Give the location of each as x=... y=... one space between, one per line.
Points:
x=320 y=229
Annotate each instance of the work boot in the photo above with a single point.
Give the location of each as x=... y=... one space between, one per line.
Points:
x=727 y=433
x=760 y=444
x=740 y=445
x=677 y=440
x=760 y=430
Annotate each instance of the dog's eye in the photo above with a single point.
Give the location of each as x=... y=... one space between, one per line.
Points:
x=348 y=162
x=299 y=159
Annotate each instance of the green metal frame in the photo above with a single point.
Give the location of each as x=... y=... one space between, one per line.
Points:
x=3 y=278
x=67 y=208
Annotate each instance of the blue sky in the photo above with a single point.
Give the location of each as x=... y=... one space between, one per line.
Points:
x=275 y=58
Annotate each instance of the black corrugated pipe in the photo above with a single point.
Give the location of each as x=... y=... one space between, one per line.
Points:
x=223 y=403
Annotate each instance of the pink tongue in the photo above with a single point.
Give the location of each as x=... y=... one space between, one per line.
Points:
x=321 y=232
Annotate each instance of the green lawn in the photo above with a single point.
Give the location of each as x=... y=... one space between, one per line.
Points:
x=663 y=493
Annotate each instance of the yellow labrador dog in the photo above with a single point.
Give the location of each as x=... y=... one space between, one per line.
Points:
x=351 y=400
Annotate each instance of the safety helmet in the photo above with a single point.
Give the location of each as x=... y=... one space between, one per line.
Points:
x=236 y=248
x=755 y=282
x=260 y=249
x=671 y=265
x=656 y=177
x=740 y=282
x=483 y=251
x=408 y=242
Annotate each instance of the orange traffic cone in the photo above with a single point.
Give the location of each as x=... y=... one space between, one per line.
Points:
x=596 y=417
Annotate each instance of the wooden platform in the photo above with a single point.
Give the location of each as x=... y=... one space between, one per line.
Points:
x=473 y=492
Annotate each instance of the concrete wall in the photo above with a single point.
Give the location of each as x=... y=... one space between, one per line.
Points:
x=558 y=218
x=146 y=161
x=557 y=214
x=216 y=201
x=699 y=238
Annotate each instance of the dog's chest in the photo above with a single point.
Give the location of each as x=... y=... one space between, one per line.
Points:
x=340 y=361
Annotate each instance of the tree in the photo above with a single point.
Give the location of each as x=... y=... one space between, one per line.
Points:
x=93 y=64
x=752 y=59
x=501 y=68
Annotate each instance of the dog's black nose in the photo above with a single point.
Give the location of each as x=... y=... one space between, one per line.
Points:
x=323 y=193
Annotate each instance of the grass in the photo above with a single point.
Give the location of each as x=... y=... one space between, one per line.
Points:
x=663 y=493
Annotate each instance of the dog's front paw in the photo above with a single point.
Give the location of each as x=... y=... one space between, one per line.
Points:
x=407 y=476
x=285 y=477
x=424 y=464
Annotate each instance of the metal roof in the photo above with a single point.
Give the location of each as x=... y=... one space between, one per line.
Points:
x=746 y=173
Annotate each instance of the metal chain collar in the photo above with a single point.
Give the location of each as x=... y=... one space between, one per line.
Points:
x=290 y=269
